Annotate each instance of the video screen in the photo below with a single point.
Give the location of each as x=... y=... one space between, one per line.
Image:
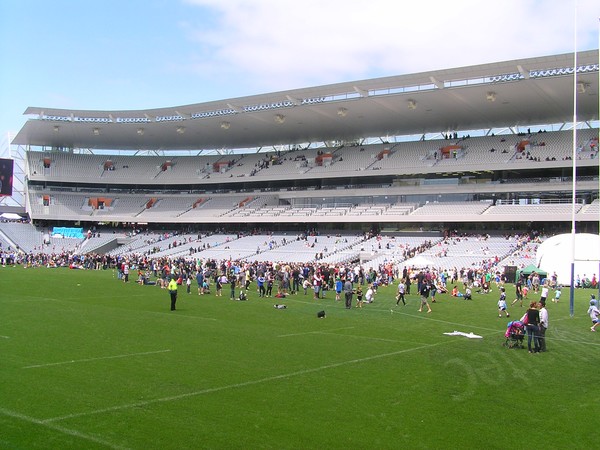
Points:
x=6 y=177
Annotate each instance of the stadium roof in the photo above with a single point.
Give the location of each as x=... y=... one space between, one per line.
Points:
x=521 y=92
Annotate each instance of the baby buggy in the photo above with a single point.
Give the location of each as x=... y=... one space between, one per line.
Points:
x=515 y=332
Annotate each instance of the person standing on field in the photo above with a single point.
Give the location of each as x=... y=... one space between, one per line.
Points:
x=173 y=292
x=424 y=291
x=543 y=325
x=401 y=292
x=594 y=313
x=518 y=292
x=348 y=291
x=502 y=307
x=232 y=283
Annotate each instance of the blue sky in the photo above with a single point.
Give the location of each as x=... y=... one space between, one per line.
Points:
x=136 y=54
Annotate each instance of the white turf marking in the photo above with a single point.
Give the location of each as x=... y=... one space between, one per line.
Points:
x=367 y=338
x=73 y=361
x=314 y=332
x=5 y=337
x=244 y=384
x=60 y=429
x=163 y=312
x=331 y=333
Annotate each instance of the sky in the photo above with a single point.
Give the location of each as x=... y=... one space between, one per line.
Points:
x=138 y=54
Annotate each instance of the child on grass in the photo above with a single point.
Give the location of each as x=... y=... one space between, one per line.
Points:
x=359 y=297
x=502 y=303
x=594 y=313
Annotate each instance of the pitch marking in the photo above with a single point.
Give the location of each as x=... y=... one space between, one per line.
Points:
x=73 y=361
x=244 y=384
x=314 y=332
x=60 y=429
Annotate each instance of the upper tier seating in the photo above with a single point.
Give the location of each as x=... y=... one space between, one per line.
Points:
x=400 y=157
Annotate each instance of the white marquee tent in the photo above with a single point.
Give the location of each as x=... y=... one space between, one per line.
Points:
x=555 y=255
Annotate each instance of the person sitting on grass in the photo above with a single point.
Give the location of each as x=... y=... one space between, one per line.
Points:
x=280 y=293
x=456 y=292
x=370 y=294
x=441 y=288
x=468 y=295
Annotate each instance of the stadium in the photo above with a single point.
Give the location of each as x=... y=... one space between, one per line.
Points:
x=462 y=174
x=488 y=149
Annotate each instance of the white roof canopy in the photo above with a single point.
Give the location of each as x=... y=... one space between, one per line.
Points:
x=504 y=94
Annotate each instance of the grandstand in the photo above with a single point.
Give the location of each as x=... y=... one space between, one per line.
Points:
x=390 y=155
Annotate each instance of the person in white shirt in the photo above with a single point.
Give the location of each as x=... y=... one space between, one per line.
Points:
x=594 y=313
x=401 y=292
x=370 y=294
x=544 y=293
x=543 y=325
x=468 y=295
x=502 y=303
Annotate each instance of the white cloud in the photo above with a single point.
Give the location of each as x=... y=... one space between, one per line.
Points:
x=287 y=44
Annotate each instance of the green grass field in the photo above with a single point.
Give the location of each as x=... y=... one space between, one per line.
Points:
x=89 y=362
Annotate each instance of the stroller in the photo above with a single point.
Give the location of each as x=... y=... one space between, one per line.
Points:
x=515 y=332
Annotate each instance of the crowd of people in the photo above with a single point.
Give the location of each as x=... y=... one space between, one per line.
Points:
x=351 y=282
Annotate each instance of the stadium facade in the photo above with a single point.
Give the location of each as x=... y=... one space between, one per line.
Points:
x=487 y=147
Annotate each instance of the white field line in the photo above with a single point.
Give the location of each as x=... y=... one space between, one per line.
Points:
x=73 y=301
x=314 y=332
x=74 y=361
x=245 y=383
x=5 y=337
x=366 y=338
x=331 y=333
x=61 y=429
